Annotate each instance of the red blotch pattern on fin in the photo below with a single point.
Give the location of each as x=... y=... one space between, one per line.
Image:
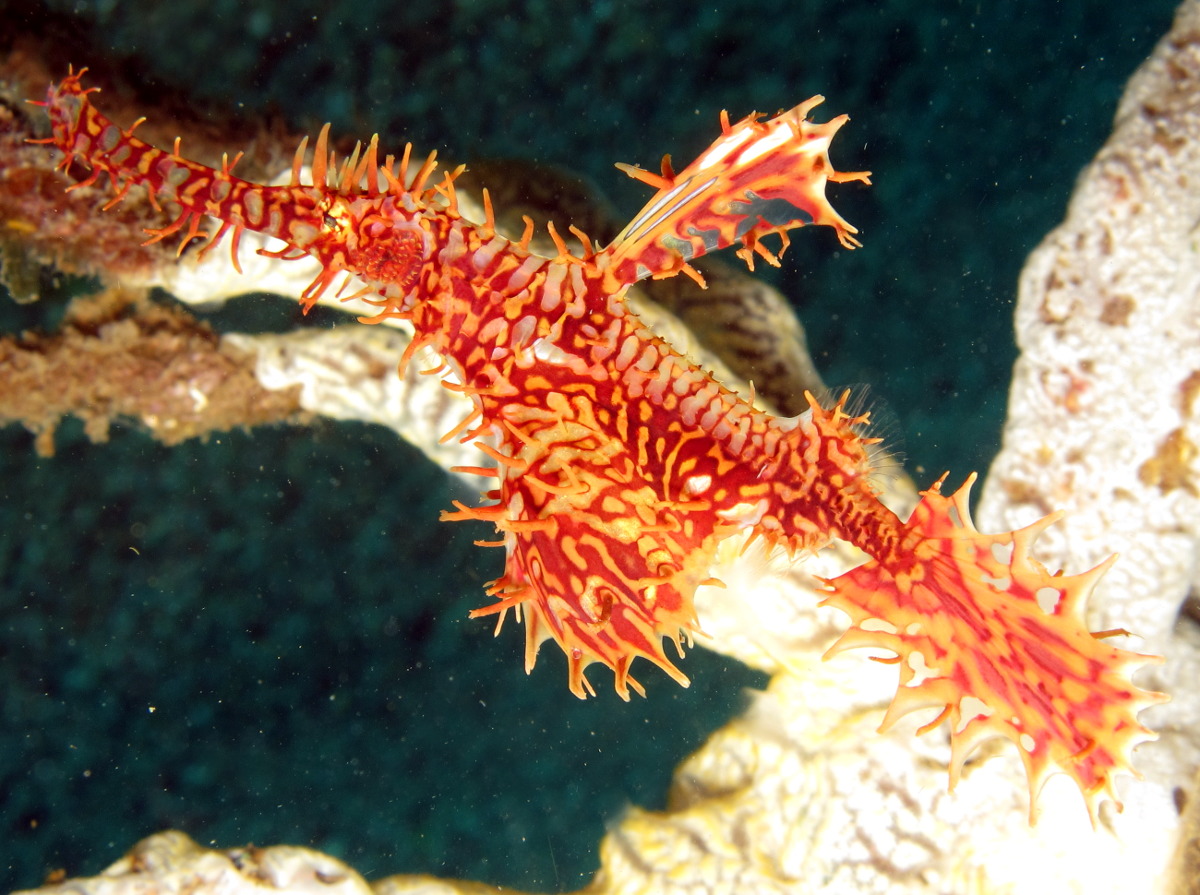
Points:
x=985 y=633
x=759 y=177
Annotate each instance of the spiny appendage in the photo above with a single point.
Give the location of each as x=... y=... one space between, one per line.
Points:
x=356 y=218
x=984 y=631
x=631 y=629
x=567 y=586
x=314 y=219
x=817 y=482
x=759 y=177
x=598 y=559
x=83 y=134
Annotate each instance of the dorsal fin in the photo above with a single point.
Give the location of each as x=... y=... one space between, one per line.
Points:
x=759 y=177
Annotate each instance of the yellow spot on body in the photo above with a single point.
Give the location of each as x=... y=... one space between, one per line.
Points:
x=253 y=204
x=495 y=331
x=303 y=233
x=744 y=513
x=109 y=137
x=1074 y=692
x=648 y=360
x=625 y=529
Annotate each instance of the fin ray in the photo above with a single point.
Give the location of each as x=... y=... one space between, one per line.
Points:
x=988 y=634
x=758 y=178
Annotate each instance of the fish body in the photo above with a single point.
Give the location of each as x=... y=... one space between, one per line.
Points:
x=619 y=465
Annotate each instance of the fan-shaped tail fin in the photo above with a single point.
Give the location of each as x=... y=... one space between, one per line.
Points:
x=985 y=633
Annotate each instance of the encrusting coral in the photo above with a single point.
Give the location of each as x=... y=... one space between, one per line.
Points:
x=1104 y=407
x=800 y=790
x=119 y=356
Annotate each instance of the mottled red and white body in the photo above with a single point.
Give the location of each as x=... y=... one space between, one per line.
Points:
x=619 y=465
